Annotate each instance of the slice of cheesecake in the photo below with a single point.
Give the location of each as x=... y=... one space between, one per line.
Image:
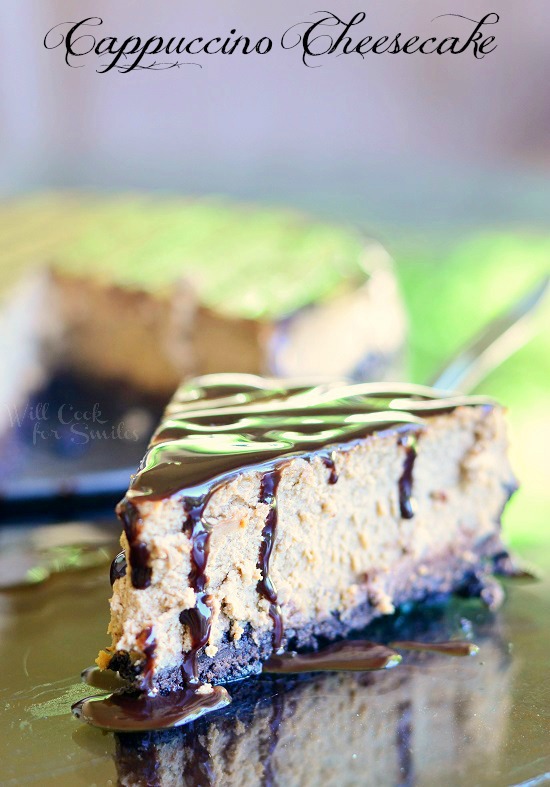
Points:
x=198 y=286
x=271 y=514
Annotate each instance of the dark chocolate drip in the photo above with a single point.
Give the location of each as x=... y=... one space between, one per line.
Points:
x=198 y=768
x=118 y=568
x=268 y=776
x=134 y=712
x=504 y=565
x=407 y=504
x=136 y=756
x=479 y=584
x=140 y=571
x=404 y=745
x=278 y=628
x=198 y=618
x=147 y=643
x=450 y=648
x=348 y=656
x=220 y=424
x=328 y=462
x=268 y=495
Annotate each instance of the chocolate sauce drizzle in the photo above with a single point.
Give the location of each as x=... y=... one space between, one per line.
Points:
x=198 y=769
x=328 y=462
x=407 y=504
x=118 y=568
x=199 y=618
x=268 y=491
x=147 y=644
x=269 y=746
x=404 y=744
x=140 y=571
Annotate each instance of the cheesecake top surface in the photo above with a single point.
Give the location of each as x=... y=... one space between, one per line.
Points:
x=243 y=261
x=219 y=424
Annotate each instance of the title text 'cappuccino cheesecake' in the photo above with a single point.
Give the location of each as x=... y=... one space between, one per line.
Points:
x=270 y=514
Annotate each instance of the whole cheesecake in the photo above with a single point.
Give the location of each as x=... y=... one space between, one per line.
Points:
x=140 y=291
x=273 y=514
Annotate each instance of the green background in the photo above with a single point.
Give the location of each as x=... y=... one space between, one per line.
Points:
x=454 y=287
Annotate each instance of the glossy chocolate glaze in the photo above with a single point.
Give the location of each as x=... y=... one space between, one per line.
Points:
x=220 y=424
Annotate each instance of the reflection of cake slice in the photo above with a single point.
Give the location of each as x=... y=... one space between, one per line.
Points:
x=267 y=513
x=408 y=726
x=148 y=290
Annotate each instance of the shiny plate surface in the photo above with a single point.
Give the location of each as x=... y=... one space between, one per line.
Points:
x=433 y=720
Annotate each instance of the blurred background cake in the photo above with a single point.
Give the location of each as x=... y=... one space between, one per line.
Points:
x=137 y=292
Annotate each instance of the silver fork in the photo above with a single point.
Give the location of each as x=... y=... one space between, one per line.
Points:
x=499 y=340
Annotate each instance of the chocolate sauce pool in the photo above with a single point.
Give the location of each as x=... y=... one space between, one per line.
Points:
x=349 y=656
x=134 y=712
x=126 y=710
